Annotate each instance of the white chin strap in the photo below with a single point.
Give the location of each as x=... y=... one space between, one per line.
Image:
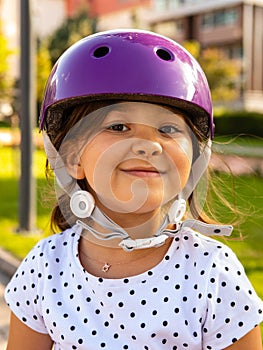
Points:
x=127 y=243
x=82 y=205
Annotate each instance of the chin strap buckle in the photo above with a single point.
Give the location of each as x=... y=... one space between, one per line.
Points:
x=129 y=244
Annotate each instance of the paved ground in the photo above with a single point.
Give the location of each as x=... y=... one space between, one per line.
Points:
x=4 y=312
x=8 y=266
x=239 y=165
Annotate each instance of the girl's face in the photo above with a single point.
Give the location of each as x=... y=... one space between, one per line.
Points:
x=139 y=159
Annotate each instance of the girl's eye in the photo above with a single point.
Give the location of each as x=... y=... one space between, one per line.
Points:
x=168 y=129
x=118 y=127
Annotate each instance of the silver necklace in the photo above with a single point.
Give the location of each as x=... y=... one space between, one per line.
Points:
x=106 y=266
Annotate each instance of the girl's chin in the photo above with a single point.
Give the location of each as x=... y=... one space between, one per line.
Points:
x=132 y=208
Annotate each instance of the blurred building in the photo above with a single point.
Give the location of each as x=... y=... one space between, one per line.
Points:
x=234 y=26
x=114 y=13
x=48 y=15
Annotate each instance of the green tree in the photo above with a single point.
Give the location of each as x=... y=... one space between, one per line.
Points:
x=43 y=70
x=6 y=81
x=222 y=73
x=52 y=47
x=69 y=32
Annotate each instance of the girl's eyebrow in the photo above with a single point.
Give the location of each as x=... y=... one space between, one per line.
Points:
x=117 y=109
x=124 y=111
x=122 y=108
x=118 y=106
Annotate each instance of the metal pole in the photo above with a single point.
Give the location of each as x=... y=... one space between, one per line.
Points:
x=27 y=120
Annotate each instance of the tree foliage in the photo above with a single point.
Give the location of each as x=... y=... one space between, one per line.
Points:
x=222 y=73
x=69 y=32
x=43 y=70
x=6 y=81
x=49 y=50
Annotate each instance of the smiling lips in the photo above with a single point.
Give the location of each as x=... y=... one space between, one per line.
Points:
x=143 y=172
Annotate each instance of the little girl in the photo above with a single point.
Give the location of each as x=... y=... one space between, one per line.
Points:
x=127 y=120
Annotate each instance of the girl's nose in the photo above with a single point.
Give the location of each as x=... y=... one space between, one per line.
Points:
x=146 y=148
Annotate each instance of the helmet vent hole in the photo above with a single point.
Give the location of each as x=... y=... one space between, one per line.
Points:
x=101 y=51
x=164 y=54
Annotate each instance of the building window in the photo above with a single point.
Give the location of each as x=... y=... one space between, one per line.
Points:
x=234 y=52
x=161 y=5
x=207 y=21
x=168 y=4
x=179 y=25
x=231 y=17
x=219 y=18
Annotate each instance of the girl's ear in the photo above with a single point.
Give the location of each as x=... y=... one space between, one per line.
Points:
x=75 y=168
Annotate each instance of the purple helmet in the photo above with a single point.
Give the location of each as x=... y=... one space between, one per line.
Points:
x=128 y=65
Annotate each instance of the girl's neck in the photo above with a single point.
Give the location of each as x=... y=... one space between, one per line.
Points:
x=137 y=225
x=97 y=256
x=115 y=263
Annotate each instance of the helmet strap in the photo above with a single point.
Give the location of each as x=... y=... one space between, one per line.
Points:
x=198 y=168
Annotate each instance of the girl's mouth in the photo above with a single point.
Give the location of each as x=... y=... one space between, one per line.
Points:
x=143 y=172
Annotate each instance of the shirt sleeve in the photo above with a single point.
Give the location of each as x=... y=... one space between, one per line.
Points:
x=23 y=293
x=233 y=308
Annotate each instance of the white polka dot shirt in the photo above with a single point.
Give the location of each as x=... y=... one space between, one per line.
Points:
x=197 y=297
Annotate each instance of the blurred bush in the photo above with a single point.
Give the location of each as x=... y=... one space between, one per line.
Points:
x=239 y=122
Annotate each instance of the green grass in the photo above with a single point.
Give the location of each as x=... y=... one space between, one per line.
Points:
x=241 y=140
x=17 y=243
x=239 y=145
x=249 y=200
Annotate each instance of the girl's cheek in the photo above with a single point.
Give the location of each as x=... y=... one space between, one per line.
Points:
x=181 y=150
